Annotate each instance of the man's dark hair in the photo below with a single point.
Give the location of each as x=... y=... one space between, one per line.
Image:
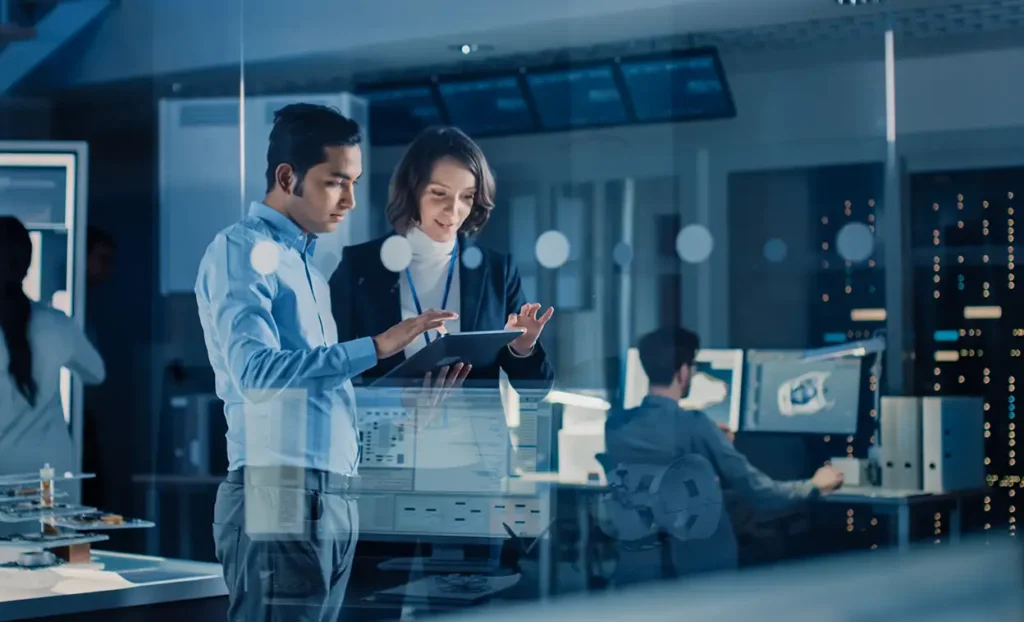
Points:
x=301 y=134
x=666 y=350
x=96 y=237
x=413 y=174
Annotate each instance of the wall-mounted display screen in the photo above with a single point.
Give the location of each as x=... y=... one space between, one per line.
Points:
x=397 y=115
x=574 y=98
x=488 y=106
x=688 y=86
x=684 y=85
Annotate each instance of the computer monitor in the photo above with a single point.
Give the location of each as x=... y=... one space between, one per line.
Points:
x=786 y=392
x=488 y=106
x=686 y=85
x=446 y=475
x=716 y=386
x=576 y=96
x=398 y=113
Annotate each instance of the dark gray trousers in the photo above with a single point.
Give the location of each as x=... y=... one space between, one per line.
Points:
x=287 y=552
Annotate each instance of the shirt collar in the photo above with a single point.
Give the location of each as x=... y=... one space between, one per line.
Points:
x=289 y=232
x=660 y=400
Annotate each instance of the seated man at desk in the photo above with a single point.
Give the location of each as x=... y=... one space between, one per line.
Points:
x=659 y=432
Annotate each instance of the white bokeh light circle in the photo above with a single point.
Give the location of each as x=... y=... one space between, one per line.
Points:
x=265 y=257
x=855 y=242
x=472 y=257
x=775 y=250
x=552 y=249
x=694 y=244
x=396 y=253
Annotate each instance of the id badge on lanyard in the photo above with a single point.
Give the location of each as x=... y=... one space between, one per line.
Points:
x=447 y=287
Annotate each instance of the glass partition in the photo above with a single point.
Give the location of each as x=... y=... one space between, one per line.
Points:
x=104 y=162
x=797 y=226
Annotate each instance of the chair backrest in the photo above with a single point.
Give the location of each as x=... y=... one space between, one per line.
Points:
x=682 y=499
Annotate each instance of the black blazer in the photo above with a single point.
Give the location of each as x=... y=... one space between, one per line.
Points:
x=365 y=301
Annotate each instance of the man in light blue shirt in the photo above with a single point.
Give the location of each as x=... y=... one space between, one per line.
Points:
x=285 y=524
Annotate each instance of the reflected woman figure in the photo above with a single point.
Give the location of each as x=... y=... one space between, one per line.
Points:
x=37 y=342
x=441 y=195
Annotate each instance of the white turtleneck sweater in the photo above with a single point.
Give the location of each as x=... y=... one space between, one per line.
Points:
x=453 y=443
x=429 y=271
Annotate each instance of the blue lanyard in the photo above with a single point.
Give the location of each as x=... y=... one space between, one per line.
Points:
x=447 y=287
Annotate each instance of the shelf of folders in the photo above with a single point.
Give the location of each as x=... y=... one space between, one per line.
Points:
x=66 y=530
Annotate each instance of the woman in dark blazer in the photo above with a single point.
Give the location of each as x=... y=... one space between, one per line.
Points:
x=441 y=195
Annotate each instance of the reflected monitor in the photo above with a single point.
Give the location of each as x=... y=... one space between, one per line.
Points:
x=447 y=476
x=716 y=387
x=449 y=472
x=786 y=393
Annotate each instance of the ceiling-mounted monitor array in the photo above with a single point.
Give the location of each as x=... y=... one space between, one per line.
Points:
x=682 y=86
x=487 y=106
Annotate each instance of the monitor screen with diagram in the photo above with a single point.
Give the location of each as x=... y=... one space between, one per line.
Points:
x=786 y=393
x=716 y=387
x=449 y=472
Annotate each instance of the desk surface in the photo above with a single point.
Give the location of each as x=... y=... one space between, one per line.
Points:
x=525 y=484
x=168 y=479
x=884 y=496
x=112 y=581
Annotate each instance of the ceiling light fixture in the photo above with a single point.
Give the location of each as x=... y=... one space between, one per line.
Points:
x=857 y=2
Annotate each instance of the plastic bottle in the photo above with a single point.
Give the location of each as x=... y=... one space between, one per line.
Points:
x=46 y=475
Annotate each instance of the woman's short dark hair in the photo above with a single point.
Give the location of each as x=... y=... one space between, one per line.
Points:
x=413 y=174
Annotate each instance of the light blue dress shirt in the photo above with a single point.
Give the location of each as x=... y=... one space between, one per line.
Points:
x=273 y=345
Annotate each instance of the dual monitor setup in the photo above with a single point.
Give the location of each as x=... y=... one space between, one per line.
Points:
x=788 y=391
